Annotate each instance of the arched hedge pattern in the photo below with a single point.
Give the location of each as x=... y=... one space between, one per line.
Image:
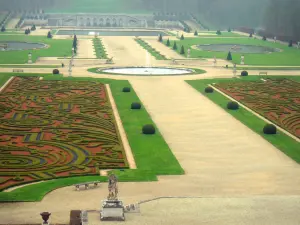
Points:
x=276 y=99
x=51 y=129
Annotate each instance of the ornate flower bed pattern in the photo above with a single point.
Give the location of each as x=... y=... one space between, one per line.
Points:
x=53 y=129
x=278 y=100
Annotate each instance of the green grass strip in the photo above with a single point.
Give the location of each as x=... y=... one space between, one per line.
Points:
x=36 y=192
x=283 y=142
x=99 y=49
x=151 y=50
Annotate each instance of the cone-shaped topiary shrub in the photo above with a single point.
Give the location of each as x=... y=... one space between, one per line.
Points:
x=232 y=105
x=229 y=56
x=182 y=50
x=160 y=38
x=209 y=90
x=55 y=71
x=244 y=73
x=148 y=129
x=175 y=46
x=168 y=42
x=270 y=129
x=49 y=35
x=196 y=33
x=136 y=105
x=126 y=89
x=291 y=43
x=182 y=37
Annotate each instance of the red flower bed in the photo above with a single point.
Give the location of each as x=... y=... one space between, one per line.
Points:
x=276 y=99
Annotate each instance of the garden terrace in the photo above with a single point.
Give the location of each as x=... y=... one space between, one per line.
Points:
x=57 y=48
x=51 y=129
x=278 y=100
x=286 y=57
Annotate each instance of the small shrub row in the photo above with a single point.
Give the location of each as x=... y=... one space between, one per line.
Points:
x=148 y=128
x=232 y=105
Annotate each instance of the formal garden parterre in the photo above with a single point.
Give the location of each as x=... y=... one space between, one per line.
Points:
x=52 y=129
x=278 y=100
x=152 y=154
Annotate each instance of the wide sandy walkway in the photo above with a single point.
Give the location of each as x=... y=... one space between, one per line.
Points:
x=126 y=51
x=85 y=49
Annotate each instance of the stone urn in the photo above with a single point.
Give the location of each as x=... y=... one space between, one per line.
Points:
x=45 y=217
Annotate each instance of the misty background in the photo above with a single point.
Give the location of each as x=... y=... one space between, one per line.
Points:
x=278 y=17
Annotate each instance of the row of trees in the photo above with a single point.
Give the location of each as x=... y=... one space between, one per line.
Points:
x=282 y=18
x=233 y=13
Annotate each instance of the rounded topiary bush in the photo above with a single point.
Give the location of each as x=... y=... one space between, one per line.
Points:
x=55 y=71
x=136 y=105
x=148 y=129
x=233 y=105
x=270 y=129
x=209 y=90
x=244 y=73
x=126 y=89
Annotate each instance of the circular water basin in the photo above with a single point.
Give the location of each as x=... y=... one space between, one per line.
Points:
x=237 y=48
x=147 y=71
x=14 y=45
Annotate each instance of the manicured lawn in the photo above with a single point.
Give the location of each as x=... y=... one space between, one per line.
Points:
x=151 y=50
x=283 y=142
x=152 y=154
x=102 y=6
x=288 y=56
x=57 y=48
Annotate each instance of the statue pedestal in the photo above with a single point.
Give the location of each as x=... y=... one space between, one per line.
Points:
x=112 y=210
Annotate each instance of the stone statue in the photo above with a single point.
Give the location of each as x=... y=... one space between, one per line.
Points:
x=242 y=60
x=109 y=60
x=112 y=187
x=189 y=53
x=234 y=69
x=215 y=60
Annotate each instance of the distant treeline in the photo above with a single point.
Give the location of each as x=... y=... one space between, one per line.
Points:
x=282 y=18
